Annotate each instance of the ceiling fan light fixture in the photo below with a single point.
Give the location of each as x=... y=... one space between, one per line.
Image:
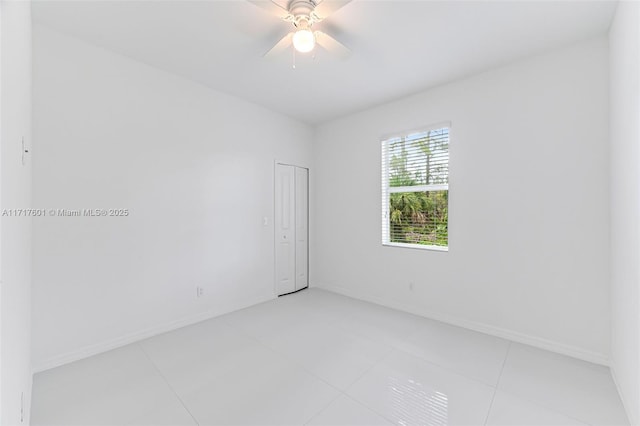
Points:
x=304 y=41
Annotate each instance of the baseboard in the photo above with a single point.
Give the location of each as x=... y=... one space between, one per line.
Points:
x=99 y=348
x=538 y=342
x=627 y=408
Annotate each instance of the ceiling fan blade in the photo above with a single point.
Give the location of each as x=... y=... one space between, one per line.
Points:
x=284 y=43
x=332 y=45
x=272 y=8
x=327 y=7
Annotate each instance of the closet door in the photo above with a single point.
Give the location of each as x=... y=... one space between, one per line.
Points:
x=285 y=230
x=302 y=228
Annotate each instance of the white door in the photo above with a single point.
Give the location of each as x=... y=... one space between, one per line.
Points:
x=285 y=229
x=291 y=228
x=302 y=227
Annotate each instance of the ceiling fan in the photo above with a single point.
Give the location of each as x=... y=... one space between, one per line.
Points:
x=302 y=14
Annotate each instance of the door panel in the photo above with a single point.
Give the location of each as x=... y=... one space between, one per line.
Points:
x=302 y=227
x=285 y=229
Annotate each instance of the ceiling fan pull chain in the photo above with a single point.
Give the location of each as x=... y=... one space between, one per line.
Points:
x=294 y=58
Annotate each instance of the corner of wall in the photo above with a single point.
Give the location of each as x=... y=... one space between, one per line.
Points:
x=624 y=138
x=15 y=231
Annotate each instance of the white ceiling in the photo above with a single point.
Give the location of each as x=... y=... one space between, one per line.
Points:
x=399 y=47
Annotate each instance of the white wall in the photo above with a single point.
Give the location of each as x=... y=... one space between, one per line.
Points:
x=193 y=166
x=624 y=45
x=15 y=193
x=529 y=235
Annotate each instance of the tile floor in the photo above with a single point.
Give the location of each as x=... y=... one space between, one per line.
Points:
x=319 y=358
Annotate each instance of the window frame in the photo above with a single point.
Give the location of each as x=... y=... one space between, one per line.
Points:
x=387 y=190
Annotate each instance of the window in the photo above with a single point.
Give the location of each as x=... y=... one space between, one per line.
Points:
x=415 y=189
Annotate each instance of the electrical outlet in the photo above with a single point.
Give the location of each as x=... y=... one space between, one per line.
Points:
x=199 y=291
x=410 y=286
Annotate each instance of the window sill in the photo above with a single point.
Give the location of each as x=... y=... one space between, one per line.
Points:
x=417 y=246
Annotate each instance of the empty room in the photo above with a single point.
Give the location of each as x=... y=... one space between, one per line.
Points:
x=319 y=212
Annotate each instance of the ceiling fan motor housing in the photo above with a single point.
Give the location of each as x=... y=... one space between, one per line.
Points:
x=302 y=11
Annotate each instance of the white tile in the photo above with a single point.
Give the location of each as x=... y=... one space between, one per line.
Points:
x=410 y=391
x=120 y=387
x=193 y=355
x=382 y=324
x=509 y=410
x=475 y=355
x=328 y=351
x=259 y=388
x=271 y=317
x=578 y=389
x=344 y=411
x=336 y=305
x=224 y=377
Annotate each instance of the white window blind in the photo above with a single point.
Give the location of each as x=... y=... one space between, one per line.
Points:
x=415 y=189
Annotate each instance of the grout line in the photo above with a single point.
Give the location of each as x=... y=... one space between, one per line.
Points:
x=540 y=405
x=529 y=400
x=282 y=354
x=344 y=393
x=375 y=364
x=297 y=364
x=495 y=390
x=393 y=349
x=537 y=404
x=340 y=393
x=366 y=407
x=168 y=384
x=270 y=349
x=449 y=370
x=384 y=358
